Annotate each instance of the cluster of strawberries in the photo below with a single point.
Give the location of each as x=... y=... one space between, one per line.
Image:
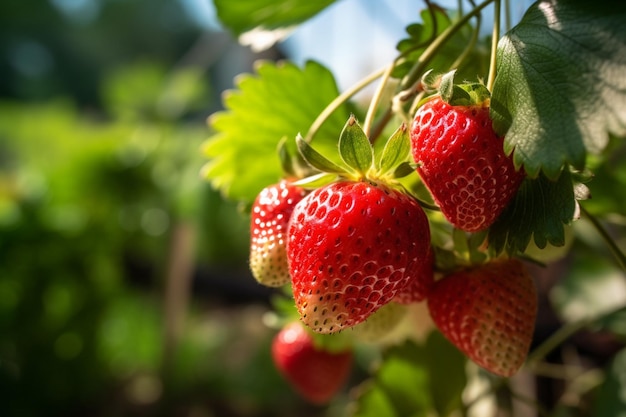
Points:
x=361 y=241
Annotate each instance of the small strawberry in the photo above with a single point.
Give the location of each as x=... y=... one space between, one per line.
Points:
x=461 y=160
x=315 y=373
x=352 y=245
x=270 y=216
x=488 y=313
x=421 y=282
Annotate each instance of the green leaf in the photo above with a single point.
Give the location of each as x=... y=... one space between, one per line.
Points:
x=415 y=380
x=609 y=174
x=396 y=150
x=354 y=147
x=404 y=379
x=560 y=84
x=316 y=159
x=277 y=102
x=243 y=15
x=403 y=170
x=446 y=365
x=374 y=403
x=610 y=397
x=540 y=209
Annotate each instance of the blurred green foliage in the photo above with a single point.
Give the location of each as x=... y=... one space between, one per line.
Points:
x=87 y=207
x=101 y=124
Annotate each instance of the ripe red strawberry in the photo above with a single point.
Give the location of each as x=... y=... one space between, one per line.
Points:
x=462 y=162
x=488 y=312
x=271 y=212
x=421 y=282
x=315 y=373
x=351 y=247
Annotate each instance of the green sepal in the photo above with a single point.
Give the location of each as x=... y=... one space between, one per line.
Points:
x=316 y=159
x=285 y=158
x=355 y=148
x=403 y=170
x=291 y=162
x=430 y=81
x=475 y=243
x=317 y=180
x=396 y=150
x=470 y=246
x=538 y=211
x=466 y=94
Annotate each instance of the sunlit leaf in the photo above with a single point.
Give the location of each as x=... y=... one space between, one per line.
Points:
x=243 y=15
x=560 y=85
x=277 y=102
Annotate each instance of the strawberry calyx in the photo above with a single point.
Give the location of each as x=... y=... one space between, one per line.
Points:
x=466 y=94
x=358 y=159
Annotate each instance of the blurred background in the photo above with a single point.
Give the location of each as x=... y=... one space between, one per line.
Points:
x=124 y=287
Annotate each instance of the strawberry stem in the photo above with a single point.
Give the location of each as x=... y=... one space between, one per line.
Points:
x=507 y=15
x=371 y=111
x=564 y=333
x=407 y=86
x=341 y=99
x=494 y=45
x=418 y=68
x=470 y=46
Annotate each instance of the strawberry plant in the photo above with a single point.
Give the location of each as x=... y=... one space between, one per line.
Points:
x=460 y=184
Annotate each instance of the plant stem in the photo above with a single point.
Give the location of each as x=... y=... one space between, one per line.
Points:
x=494 y=45
x=409 y=80
x=377 y=128
x=371 y=111
x=615 y=250
x=507 y=15
x=341 y=99
x=531 y=402
x=414 y=74
x=564 y=333
x=556 y=339
x=470 y=45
